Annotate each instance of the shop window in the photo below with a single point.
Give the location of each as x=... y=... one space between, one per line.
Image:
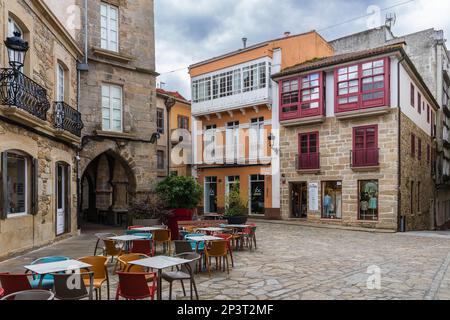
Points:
x=368 y=200
x=332 y=200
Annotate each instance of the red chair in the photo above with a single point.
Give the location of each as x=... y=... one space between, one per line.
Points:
x=12 y=283
x=2 y=292
x=134 y=227
x=142 y=247
x=134 y=286
x=227 y=237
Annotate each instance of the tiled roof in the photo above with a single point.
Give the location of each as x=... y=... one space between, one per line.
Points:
x=338 y=59
x=174 y=94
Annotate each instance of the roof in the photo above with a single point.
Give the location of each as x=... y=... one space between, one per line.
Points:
x=338 y=59
x=252 y=47
x=174 y=94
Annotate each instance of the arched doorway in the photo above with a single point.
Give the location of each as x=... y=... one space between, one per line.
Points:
x=107 y=186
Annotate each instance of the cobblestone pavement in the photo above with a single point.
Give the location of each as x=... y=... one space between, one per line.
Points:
x=295 y=262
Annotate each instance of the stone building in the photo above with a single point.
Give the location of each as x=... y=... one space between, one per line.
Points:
x=428 y=51
x=40 y=129
x=173 y=112
x=118 y=104
x=235 y=116
x=357 y=141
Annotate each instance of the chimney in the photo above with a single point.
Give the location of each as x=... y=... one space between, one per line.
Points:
x=287 y=33
x=244 y=41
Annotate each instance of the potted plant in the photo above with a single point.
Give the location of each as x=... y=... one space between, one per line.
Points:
x=149 y=212
x=236 y=211
x=182 y=195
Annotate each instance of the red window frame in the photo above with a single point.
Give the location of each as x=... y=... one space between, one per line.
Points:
x=365 y=152
x=309 y=159
x=364 y=70
x=413 y=96
x=413 y=145
x=296 y=107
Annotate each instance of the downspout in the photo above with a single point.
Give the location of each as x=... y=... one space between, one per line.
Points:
x=401 y=223
x=169 y=103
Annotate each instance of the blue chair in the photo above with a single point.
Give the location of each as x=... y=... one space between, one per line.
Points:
x=196 y=246
x=48 y=280
x=132 y=232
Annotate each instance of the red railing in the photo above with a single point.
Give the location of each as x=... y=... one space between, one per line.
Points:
x=308 y=161
x=368 y=157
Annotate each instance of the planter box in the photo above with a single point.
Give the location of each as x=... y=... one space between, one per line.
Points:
x=146 y=222
x=237 y=220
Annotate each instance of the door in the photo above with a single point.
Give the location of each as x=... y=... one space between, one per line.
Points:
x=299 y=200
x=210 y=195
x=61 y=212
x=257 y=188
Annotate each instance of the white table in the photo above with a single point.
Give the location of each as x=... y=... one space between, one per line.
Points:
x=127 y=238
x=159 y=263
x=149 y=229
x=237 y=226
x=203 y=238
x=211 y=229
x=54 y=267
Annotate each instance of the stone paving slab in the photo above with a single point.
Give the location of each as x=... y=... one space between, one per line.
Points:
x=296 y=262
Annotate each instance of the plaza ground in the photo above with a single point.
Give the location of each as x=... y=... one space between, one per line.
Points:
x=298 y=262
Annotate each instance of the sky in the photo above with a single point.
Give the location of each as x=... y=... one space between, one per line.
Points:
x=190 y=31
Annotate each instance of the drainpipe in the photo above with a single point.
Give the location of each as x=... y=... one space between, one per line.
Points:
x=401 y=218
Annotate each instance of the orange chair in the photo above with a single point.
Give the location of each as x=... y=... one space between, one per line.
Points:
x=99 y=267
x=218 y=250
x=134 y=286
x=111 y=249
x=163 y=237
x=134 y=227
x=228 y=238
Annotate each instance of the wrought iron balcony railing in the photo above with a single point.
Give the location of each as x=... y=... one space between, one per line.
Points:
x=67 y=118
x=368 y=157
x=308 y=161
x=17 y=90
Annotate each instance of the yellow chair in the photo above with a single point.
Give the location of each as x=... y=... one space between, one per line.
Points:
x=190 y=229
x=111 y=249
x=125 y=266
x=218 y=250
x=100 y=270
x=163 y=237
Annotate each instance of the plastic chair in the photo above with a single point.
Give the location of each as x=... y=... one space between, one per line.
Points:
x=228 y=238
x=195 y=245
x=134 y=286
x=47 y=280
x=101 y=237
x=99 y=268
x=182 y=246
x=141 y=246
x=71 y=286
x=134 y=227
x=163 y=237
x=111 y=249
x=14 y=282
x=219 y=251
x=185 y=272
x=31 y=295
x=148 y=235
x=2 y=292
x=125 y=266
x=248 y=236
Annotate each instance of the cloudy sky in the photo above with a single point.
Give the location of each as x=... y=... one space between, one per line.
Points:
x=189 y=31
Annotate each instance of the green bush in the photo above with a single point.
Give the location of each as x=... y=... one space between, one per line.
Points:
x=180 y=192
x=236 y=207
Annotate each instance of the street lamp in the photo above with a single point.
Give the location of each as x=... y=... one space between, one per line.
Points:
x=17 y=49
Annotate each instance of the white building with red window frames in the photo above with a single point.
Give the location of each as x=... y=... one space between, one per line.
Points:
x=347 y=151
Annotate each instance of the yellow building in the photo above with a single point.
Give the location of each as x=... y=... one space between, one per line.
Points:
x=173 y=112
x=235 y=114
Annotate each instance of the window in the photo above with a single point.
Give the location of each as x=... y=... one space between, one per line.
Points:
x=332 y=200
x=419 y=149
x=418 y=197
x=183 y=122
x=302 y=97
x=201 y=90
x=254 y=77
x=413 y=145
x=13 y=26
x=60 y=83
x=210 y=195
x=368 y=200
x=308 y=151
x=160 y=120
x=232 y=184
x=446 y=95
x=413 y=95
x=226 y=84
x=257 y=138
x=365 y=146
x=17 y=184
x=160 y=159
x=210 y=142
x=112 y=108
x=364 y=85
x=433 y=124
x=232 y=141
x=109 y=27
x=411 y=204
x=428 y=113
x=428 y=154
x=419 y=102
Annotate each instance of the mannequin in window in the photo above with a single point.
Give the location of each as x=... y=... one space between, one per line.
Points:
x=364 y=205
x=373 y=201
x=327 y=201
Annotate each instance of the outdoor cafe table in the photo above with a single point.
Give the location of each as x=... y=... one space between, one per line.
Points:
x=150 y=229
x=198 y=239
x=236 y=226
x=159 y=263
x=127 y=239
x=55 y=267
x=211 y=229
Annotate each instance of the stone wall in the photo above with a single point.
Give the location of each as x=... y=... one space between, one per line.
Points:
x=335 y=145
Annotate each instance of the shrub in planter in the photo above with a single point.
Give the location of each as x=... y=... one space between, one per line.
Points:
x=149 y=212
x=236 y=211
x=180 y=192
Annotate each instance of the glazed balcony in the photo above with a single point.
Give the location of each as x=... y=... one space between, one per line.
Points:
x=17 y=91
x=308 y=162
x=67 y=119
x=365 y=158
